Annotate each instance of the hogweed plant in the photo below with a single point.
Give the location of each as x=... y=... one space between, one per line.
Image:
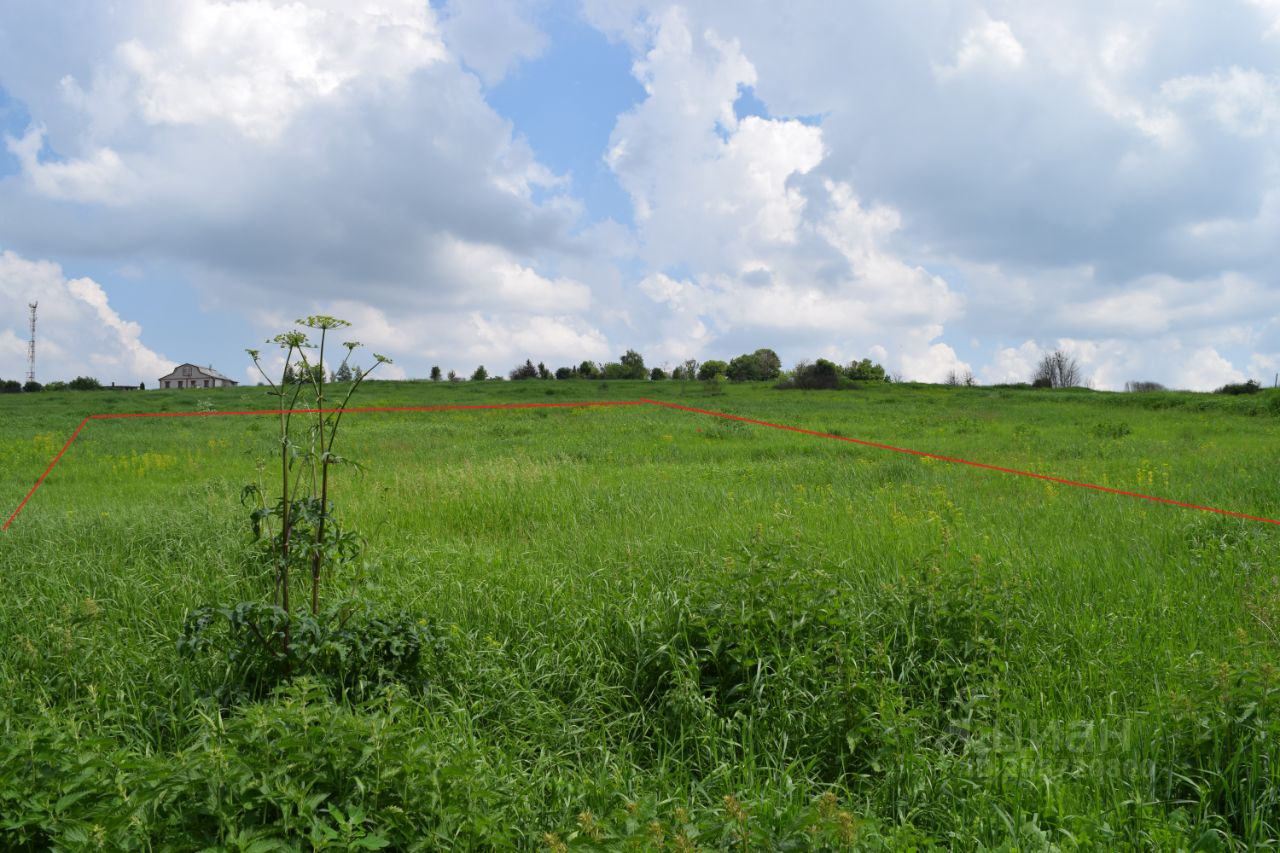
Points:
x=307 y=536
x=260 y=644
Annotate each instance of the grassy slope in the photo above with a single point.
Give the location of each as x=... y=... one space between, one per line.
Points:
x=1028 y=661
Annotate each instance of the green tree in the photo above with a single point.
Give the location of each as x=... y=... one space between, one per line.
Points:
x=524 y=371
x=633 y=365
x=588 y=370
x=770 y=366
x=84 y=383
x=480 y=374
x=543 y=373
x=32 y=386
x=343 y=373
x=435 y=373
x=566 y=373
x=821 y=374
x=866 y=370
x=712 y=368
x=10 y=386
x=657 y=374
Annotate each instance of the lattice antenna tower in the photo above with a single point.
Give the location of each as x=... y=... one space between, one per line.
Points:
x=31 y=345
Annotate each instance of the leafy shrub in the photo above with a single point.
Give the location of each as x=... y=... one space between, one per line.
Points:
x=243 y=653
x=820 y=374
x=711 y=369
x=10 y=386
x=761 y=365
x=1250 y=387
x=32 y=386
x=524 y=371
x=1111 y=430
x=300 y=772
x=867 y=371
x=84 y=383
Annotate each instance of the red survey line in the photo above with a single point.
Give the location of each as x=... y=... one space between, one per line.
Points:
x=45 y=474
x=364 y=409
x=296 y=412
x=642 y=401
x=1061 y=480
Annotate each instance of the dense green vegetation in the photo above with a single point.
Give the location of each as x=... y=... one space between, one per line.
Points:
x=640 y=628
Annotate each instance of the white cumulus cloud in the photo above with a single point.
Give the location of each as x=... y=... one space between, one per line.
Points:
x=78 y=332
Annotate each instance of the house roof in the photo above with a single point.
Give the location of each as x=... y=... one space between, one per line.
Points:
x=202 y=371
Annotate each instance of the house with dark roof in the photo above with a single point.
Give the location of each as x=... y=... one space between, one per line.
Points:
x=195 y=376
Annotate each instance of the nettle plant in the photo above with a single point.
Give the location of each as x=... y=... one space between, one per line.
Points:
x=253 y=646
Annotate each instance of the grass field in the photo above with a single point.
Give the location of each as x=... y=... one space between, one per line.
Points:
x=660 y=630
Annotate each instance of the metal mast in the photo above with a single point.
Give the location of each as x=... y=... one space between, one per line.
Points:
x=31 y=345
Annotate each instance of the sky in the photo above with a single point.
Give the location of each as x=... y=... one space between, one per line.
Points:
x=939 y=185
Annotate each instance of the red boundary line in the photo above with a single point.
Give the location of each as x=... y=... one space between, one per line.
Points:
x=642 y=401
x=296 y=412
x=1061 y=480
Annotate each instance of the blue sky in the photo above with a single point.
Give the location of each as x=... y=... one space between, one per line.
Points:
x=484 y=181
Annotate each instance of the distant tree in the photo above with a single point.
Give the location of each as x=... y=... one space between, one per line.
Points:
x=56 y=385
x=711 y=369
x=83 y=383
x=31 y=386
x=1138 y=386
x=566 y=373
x=524 y=371
x=677 y=372
x=313 y=373
x=454 y=377
x=289 y=377
x=763 y=364
x=821 y=374
x=343 y=373
x=867 y=371
x=435 y=373
x=357 y=375
x=10 y=386
x=1057 y=370
x=1250 y=387
x=588 y=370
x=543 y=373
x=657 y=374
x=633 y=365
x=480 y=374
x=742 y=368
x=690 y=368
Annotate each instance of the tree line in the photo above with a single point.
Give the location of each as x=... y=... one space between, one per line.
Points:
x=763 y=365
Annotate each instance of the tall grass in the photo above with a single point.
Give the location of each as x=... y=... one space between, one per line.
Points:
x=655 y=629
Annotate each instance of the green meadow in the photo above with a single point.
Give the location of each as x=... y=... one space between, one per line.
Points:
x=649 y=629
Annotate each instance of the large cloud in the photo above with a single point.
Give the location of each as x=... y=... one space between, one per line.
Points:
x=78 y=332
x=965 y=185
x=769 y=256
x=294 y=157
x=1131 y=157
